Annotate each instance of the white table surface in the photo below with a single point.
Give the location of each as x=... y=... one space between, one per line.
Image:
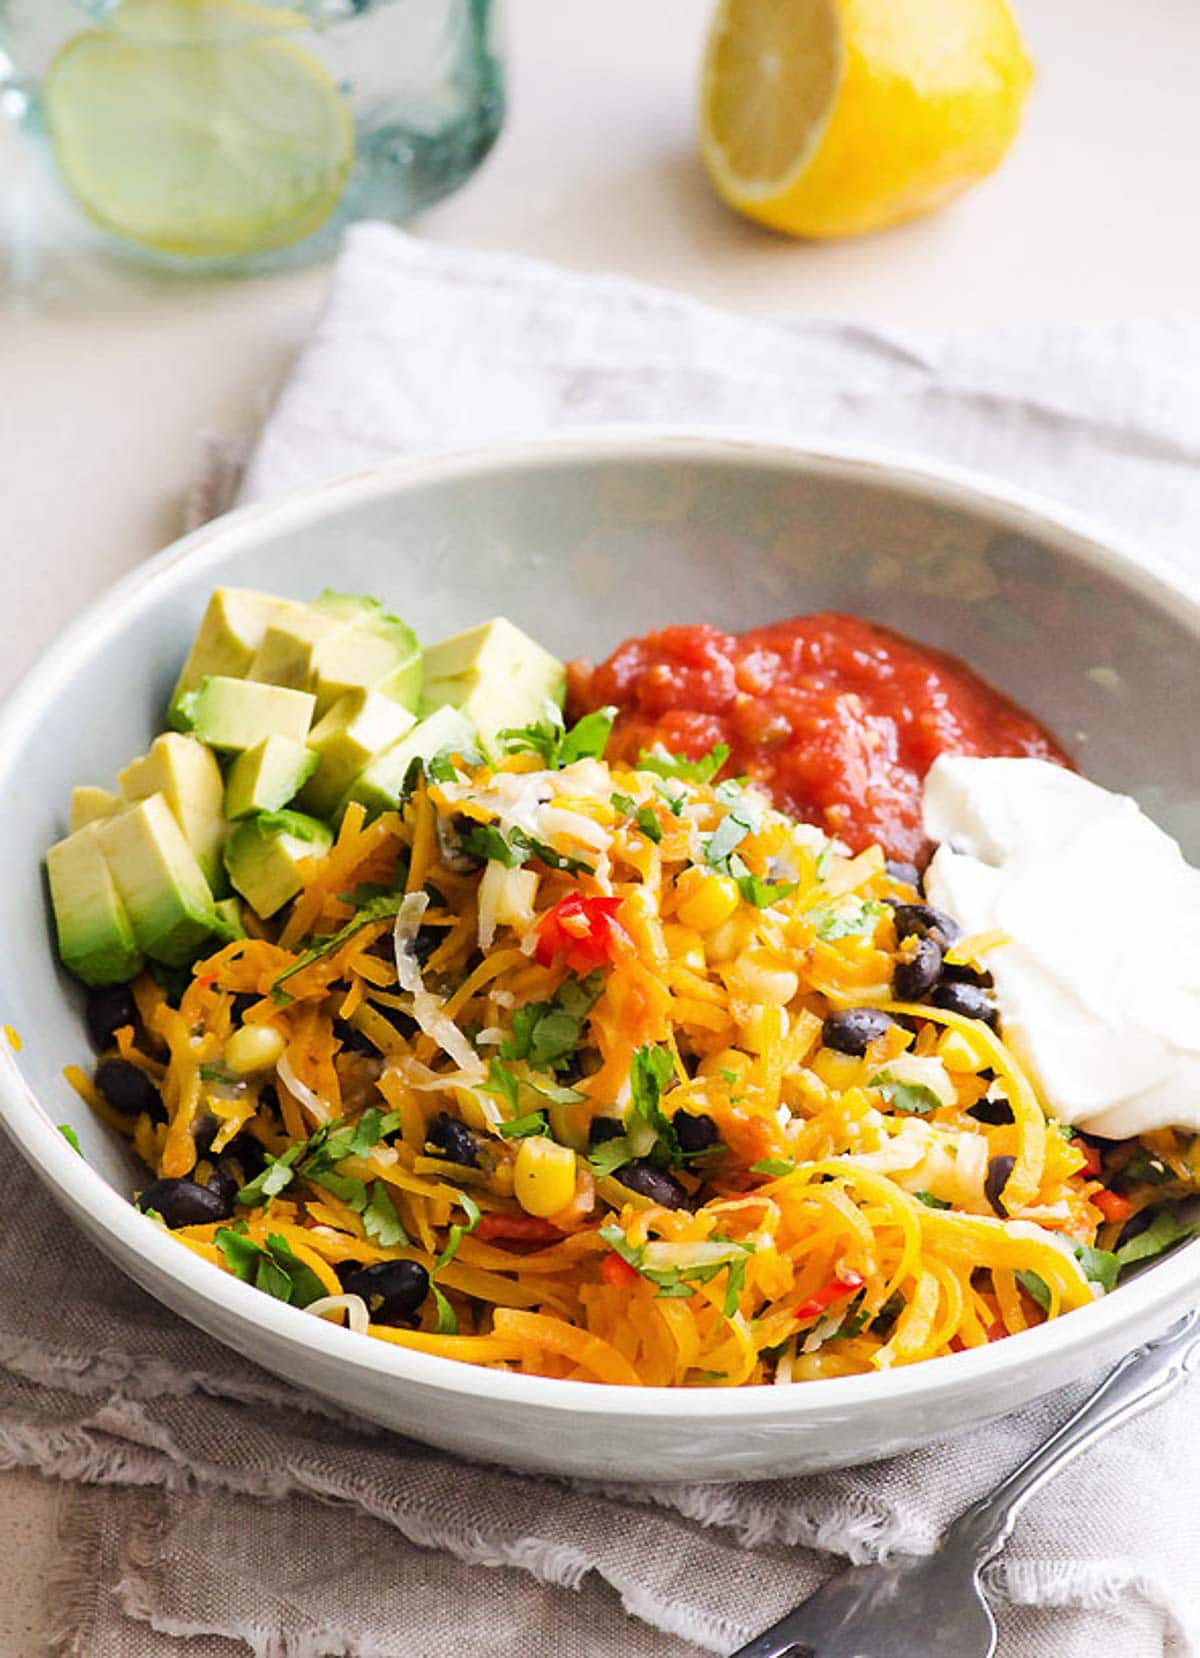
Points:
x=107 y=382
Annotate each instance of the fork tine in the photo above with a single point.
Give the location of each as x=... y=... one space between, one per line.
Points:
x=782 y=1640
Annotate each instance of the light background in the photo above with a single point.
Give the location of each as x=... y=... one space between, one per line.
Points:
x=108 y=382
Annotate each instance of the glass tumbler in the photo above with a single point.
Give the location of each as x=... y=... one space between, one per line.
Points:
x=241 y=135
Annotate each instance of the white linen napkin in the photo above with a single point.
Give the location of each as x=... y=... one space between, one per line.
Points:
x=422 y=346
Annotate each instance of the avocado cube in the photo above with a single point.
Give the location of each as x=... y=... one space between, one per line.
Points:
x=186 y=774
x=347 y=607
x=497 y=675
x=95 y=935
x=89 y=803
x=379 y=785
x=229 y=920
x=359 y=726
x=230 y=633
x=236 y=714
x=264 y=855
x=159 y=879
x=376 y=653
x=267 y=776
x=285 y=656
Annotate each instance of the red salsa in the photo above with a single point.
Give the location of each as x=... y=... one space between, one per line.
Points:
x=838 y=719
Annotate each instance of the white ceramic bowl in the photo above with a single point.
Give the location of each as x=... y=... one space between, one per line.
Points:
x=584 y=541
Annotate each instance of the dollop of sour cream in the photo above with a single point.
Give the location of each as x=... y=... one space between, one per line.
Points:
x=1098 y=980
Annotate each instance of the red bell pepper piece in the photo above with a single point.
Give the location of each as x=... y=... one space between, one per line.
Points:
x=837 y=1289
x=584 y=931
x=1112 y=1205
x=517 y=1228
x=1091 y=1157
x=617 y=1272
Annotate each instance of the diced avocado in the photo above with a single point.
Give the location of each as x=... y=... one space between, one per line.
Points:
x=359 y=726
x=378 y=786
x=289 y=644
x=89 y=803
x=230 y=633
x=263 y=856
x=95 y=934
x=376 y=653
x=237 y=714
x=347 y=607
x=496 y=674
x=229 y=919
x=186 y=774
x=159 y=879
x=267 y=776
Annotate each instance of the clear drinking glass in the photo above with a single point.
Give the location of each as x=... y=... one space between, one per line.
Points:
x=234 y=135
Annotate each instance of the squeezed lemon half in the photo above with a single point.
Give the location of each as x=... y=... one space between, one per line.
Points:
x=828 y=118
x=197 y=128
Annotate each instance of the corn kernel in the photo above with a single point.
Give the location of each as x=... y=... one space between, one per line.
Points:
x=840 y=1071
x=957 y=1052
x=730 y=938
x=756 y=977
x=708 y=901
x=762 y=1027
x=685 y=946
x=254 y=1048
x=728 y=1059
x=543 y=1176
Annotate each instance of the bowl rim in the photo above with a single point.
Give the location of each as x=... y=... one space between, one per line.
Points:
x=1154 y=1295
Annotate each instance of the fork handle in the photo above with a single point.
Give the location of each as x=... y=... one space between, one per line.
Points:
x=1143 y=1378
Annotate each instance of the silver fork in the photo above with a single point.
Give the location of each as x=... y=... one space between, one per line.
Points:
x=935 y=1605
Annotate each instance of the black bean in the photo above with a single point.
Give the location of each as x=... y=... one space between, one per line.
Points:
x=224 y=1185
x=969 y=1000
x=851 y=1029
x=249 y=1154
x=915 y=975
x=605 y=1128
x=1134 y=1226
x=656 y=1184
x=998 y=1171
x=923 y=921
x=991 y=1111
x=454 y=1140
x=353 y=1041
x=908 y=873
x=127 y=1088
x=185 y=1202
x=960 y=973
x=204 y=1131
x=108 y=1007
x=694 y=1131
x=398 y=1019
x=392 y=1290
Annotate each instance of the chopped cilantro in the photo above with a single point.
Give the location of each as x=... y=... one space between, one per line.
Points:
x=70 y=1136
x=275 y=1268
x=534 y=848
x=777 y=1167
x=548 y=1033
x=502 y=1083
x=375 y=909
x=447 y=1319
x=380 y=1220
x=1151 y=1169
x=755 y=890
x=649 y=824
x=352 y=1192
x=649 y=1075
x=624 y=803
x=734 y=1285
x=218 y=1073
x=484 y=840
x=675 y=802
x=1100 y=1266
x=703 y=770
x=588 y=738
x=931 y=1202
x=549 y=739
x=729 y=834
x=273 y=1178
x=521 y=1128
x=843 y=923
x=315 y=1157
x=610 y=1155
x=912 y=1097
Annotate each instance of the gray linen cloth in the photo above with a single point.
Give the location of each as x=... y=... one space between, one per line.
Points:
x=212 y=1501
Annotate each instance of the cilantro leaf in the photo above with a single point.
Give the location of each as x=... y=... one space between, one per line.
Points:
x=275 y=1269
x=912 y=1097
x=617 y=1241
x=380 y=1220
x=372 y=1127
x=844 y=923
x=663 y=764
x=931 y=1202
x=535 y=848
x=273 y=1178
x=1164 y=1231
x=729 y=833
x=1150 y=1169
x=1100 y=1266
x=755 y=890
x=550 y=740
x=1036 y=1287
x=651 y=1071
x=484 y=840
x=521 y=1128
x=70 y=1136
x=352 y=1192
x=624 y=803
x=588 y=737
x=548 y=1033
x=775 y=1166
x=503 y=1084
x=648 y=823
x=609 y=1156
x=675 y=802
x=734 y=1285
x=305 y=1285
x=376 y=909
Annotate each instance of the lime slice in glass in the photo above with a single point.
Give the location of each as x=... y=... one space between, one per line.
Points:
x=197 y=128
